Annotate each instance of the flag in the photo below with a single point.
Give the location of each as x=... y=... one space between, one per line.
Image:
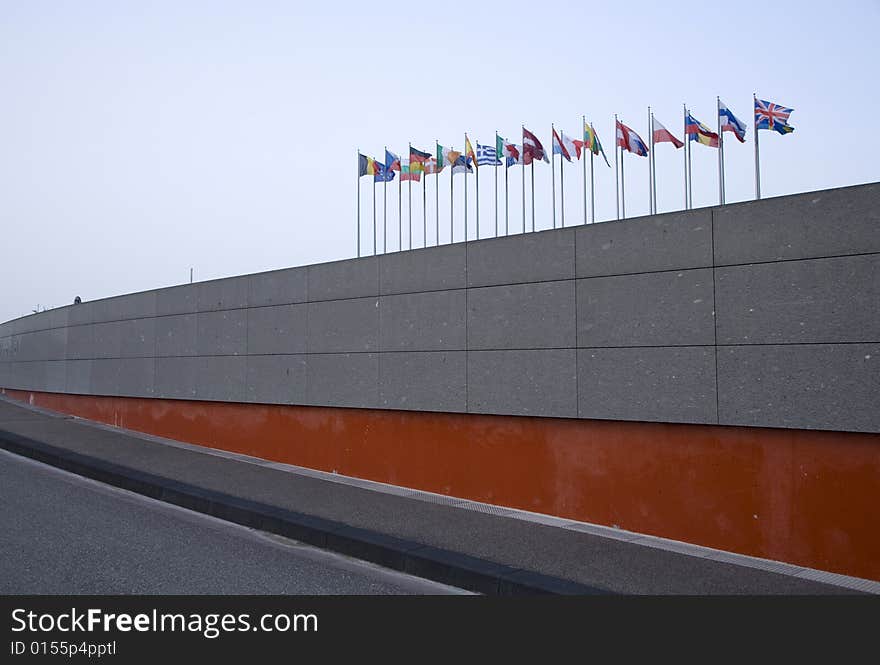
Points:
x=367 y=166
x=487 y=156
x=697 y=131
x=433 y=166
x=532 y=148
x=562 y=145
x=406 y=172
x=469 y=151
x=417 y=159
x=772 y=116
x=661 y=135
x=462 y=165
x=591 y=142
x=446 y=156
x=630 y=141
x=383 y=174
x=730 y=123
x=511 y=151
x=392 y=160
x=572 y=145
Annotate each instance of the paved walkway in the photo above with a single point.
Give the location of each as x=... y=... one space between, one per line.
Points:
x=461 y=543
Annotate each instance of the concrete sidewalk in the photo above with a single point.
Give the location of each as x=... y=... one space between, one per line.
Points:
x=477 y=547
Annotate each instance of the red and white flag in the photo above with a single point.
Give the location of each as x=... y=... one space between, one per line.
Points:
x=512 y=150
x=563 y=145
x=661 y=135
x=532 y=148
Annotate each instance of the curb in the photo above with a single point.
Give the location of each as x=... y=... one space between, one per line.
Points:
x=437 y=564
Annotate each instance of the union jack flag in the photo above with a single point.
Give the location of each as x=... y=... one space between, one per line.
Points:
x=772 y=116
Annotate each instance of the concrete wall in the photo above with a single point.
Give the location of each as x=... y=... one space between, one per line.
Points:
x=762 y=313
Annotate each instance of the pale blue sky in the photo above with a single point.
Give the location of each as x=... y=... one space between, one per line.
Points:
x=138 y=139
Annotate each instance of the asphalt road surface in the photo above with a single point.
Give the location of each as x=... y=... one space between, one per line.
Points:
x=64 y=534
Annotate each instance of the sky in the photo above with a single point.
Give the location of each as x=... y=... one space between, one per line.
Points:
x=141 y=140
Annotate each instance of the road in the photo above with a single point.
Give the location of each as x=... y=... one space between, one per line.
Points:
x=64 y=534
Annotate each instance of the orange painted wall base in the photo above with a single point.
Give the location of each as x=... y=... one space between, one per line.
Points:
x=805 y=497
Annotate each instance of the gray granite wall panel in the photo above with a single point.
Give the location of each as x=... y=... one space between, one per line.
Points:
x=810 y=386
x=276 y=379
x=432 y=321
x=56 y=376
x=653 y=309
x=138 y=338
x=522 y=316
x=423 y=381
x=278 y=329
x=176 y=335
x=523 y=383
x=105 y=377
x=279 y=287
x=221 y=378
x=136 y=377
x=340 y=326
x=430 y=269
x=649 y=384
x=342 y=379
x=671 y=241
x=352 y=278
x=79 y=376
x=529 y=257
x=183 y=299
x=816 y=300
x=131 y=306
x=108 y=340
x=81 y=342
x=176 y=377
x=221 y=333
x=832 y=222
x=218 y=294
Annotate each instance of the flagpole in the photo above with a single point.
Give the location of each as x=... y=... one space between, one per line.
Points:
x=359 y=204
x=533 y=193
x=374 y=215
x=465 y=186
x=622 y=186
x=653 y=167
x=684 y=155
x=552 y=170
x=477 y=174
x=522 y=159
x=400 y=209
x=690 y=182
x=496 y=183
x=451 y=206
x=584 y=166
x=409 y=196
x=424 y=208
x=385 y=204
x=506 y=199
x=720 y=152
x=757 y=158
x=437 y=191
x=561 y=191
x=592 y=182
x=616 y=170
x=650 y=168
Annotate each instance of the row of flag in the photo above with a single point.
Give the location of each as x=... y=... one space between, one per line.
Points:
x=767 y=115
